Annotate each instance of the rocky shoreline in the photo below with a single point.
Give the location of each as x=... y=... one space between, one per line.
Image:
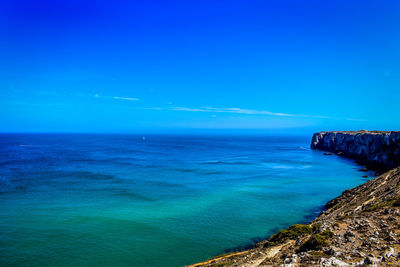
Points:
x=359 y=228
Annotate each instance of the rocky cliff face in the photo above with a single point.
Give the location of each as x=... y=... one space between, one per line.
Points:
x=378 y=150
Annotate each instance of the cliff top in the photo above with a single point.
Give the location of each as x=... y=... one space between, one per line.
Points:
x=361 y=132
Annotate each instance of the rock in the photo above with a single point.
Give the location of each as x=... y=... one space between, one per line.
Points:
x=331 y=251
x=379 y=150
x=371 y=260
x=348 y=234
x=389 y=253
x=291 y=262
x=332 y=261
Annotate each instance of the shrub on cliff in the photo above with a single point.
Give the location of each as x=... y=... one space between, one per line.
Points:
x=291 y=233
x=395 y=202
x=317 y=241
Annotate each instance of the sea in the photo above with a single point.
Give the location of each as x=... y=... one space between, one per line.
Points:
x=156 y=200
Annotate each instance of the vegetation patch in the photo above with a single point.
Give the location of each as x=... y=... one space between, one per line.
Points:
x=317 y=241
x=291 y=233
x=318 y=254
x=334 y=206
x=388 y=203
x=315 y=227
x=396 y=202
x=343 y=217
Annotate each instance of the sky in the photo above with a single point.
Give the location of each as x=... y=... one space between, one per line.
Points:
x=193 y=66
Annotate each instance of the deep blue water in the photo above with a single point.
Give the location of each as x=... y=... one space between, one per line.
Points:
x=163 y=200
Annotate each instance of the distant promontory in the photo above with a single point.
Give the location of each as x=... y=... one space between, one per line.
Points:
x=379 y=150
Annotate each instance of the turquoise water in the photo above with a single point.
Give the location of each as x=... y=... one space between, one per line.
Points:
x=163 y=200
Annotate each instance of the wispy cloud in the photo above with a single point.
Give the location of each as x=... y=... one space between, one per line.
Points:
x=233 y=110
x=126 y=98
x=189 y=109
x=152 y=108
x=116 y=97
x=244 y=111
x=351 y=119
x=255 y=112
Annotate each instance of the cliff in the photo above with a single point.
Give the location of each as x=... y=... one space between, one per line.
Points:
x=377 y=150
x=359 y=228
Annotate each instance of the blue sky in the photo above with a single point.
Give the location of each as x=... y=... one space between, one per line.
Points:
x=161 y=66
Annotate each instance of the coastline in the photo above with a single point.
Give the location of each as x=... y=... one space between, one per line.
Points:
x=340 y=235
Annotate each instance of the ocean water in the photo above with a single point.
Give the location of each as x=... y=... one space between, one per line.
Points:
x=163 y=200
